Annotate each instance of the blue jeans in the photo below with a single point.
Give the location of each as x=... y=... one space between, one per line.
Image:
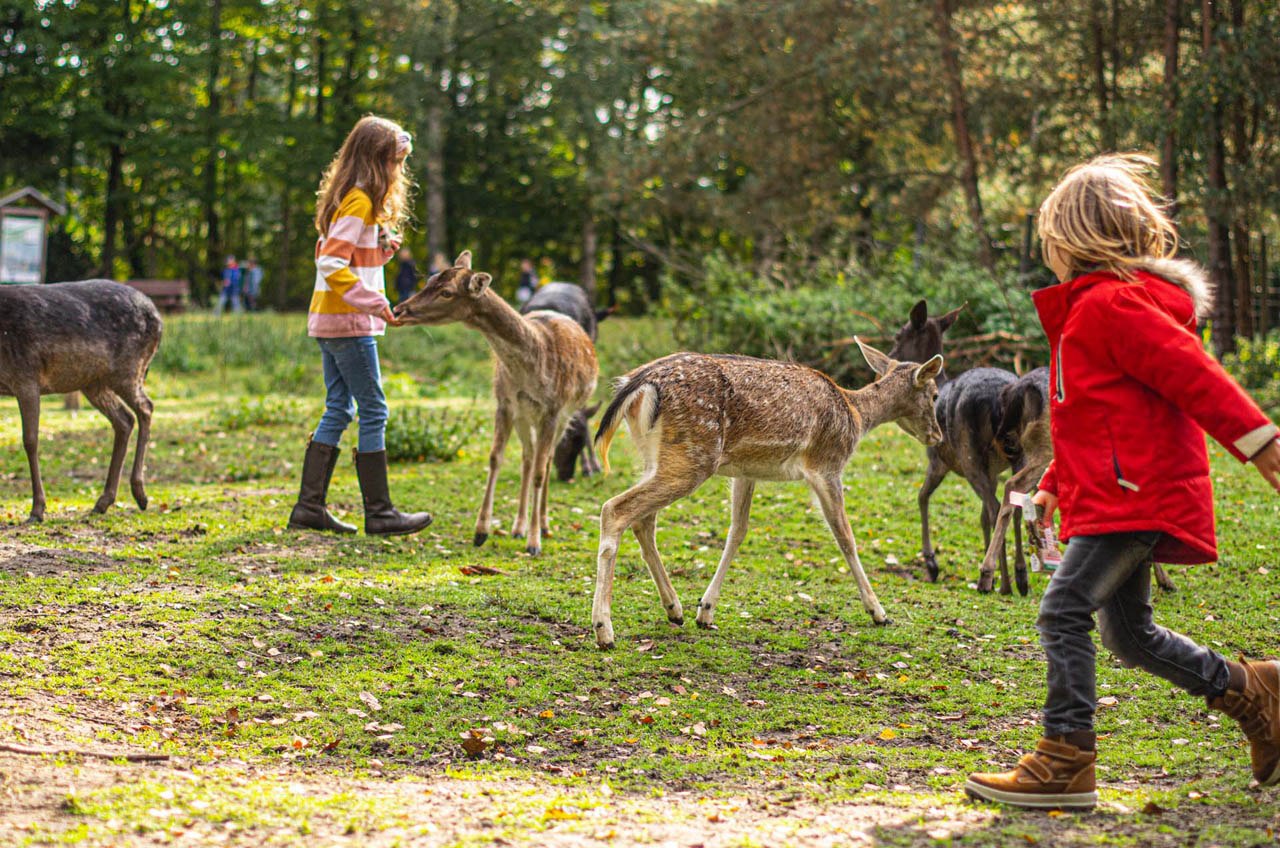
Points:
x=352 y=380
x=1111 y=574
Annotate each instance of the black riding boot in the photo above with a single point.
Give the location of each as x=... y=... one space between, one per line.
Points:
x=310 y=513
x=380 y=517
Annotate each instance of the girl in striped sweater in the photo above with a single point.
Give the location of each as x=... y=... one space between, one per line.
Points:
x=362 y=202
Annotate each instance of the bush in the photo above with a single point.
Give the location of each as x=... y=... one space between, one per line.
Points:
x=1256 y=365
x=262 y=411
x=734 y=311
x=424 y=435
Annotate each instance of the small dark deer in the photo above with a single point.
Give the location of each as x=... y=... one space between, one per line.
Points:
x=96 y=337
x=571 y=300
x=920 y=339
x=693 y=416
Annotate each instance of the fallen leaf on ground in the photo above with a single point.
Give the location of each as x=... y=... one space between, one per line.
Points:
x=479 y=570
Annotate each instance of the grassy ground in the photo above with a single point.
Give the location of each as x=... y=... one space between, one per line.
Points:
x=321 y=690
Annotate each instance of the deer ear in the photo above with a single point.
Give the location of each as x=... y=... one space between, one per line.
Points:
x=919 y=314
x=463 y=260
x=878 y=361
x=945 y=322
x=928 y=371
x=478 y=282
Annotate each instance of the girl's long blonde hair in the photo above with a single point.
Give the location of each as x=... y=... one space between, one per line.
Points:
x=1106 y=214
x=364 y=160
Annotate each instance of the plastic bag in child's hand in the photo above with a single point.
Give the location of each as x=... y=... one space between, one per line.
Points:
x=1046 y=556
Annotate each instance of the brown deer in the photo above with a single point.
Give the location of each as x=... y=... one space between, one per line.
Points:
x=693 y=416
x=545 y=369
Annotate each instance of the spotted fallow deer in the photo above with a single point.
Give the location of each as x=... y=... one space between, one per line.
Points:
x=545 y=369
x=694 y=415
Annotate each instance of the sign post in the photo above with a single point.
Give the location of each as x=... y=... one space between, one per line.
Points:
x=24 y=225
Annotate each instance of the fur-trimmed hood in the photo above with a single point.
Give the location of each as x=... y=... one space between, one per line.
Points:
x=1186 y=274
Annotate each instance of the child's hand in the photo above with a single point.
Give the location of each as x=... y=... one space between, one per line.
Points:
x=1268 y=463
x=1048 y=504
x=390 y=317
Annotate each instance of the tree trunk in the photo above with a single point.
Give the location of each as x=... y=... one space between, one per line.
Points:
x=437 y=235
x=1217 y=207
x=1264 y=291
x=1241 y=206
x=1169 y=139
x=960 y=125
x=590 y=254
x=213 y=235
x=617 y=258
x=113 y=210
x=1098 y=43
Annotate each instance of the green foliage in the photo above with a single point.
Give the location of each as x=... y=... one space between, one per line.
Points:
x=812 y=316
x=261 y=411
x=1256 y=365
x=430 y=435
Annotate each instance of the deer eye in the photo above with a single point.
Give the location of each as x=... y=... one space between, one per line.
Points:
x=446 y=294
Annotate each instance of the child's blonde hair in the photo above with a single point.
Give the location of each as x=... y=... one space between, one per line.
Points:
x=372 y=145
x=1105 y=214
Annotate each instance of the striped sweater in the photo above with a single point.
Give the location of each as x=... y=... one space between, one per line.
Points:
x=349 y=294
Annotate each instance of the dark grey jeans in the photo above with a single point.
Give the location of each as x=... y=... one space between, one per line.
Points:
x=1111 y=574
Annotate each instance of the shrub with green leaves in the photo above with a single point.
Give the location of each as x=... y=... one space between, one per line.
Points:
x=735 y=311
x=263 y=411
x=429 y=435
x=1256 y=365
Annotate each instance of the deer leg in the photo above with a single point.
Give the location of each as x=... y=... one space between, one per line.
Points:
x=831 y=497
x=525 y=432
x=135 y=397
x=1020 y=560
x=932 y=478
x=741 y=491
x=544 y=445
x=647 y=497
x=29 y=407
x=501 y=432
x=645 y=529
x=546 y=493
x=110 y=405
x=1007 y=513
x=1163 y=580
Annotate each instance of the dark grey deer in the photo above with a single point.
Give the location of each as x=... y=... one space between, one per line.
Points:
x=96 y=337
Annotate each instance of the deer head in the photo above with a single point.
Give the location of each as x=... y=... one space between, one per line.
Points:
x=450 y=295
x=910 y=392
x=921 y=337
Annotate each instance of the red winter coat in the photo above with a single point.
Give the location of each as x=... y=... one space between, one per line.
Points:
x=1131 y=390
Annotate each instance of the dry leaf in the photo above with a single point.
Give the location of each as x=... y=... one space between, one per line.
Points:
x=479 y=570
x=370 y=701
x=888 y=733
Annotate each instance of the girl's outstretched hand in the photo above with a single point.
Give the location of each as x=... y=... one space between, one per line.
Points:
x=389 y=316
x=1267 y=461
x=1048 y=504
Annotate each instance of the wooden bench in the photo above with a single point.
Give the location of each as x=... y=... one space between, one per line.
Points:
x=169 y=295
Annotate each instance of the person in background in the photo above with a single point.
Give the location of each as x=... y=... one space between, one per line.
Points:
x=230 y=296
x=528 y=282
x=252 y=285
x=406 y=276
x=438 y=264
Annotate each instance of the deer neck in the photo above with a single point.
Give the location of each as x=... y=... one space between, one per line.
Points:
x=506 y=330
x=872 y=405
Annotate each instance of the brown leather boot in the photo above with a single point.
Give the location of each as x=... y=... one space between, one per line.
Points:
x=380 y=517
x=310 y=512
x=1257 y=708
x=1058 y=775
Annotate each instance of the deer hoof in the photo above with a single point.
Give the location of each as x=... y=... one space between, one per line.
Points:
x=604 y=635
x=533 y=550
x=34 y=518
x=985 y=584
x=1021 y=578
x=517 y=534
x=678 y=621
x=931 y=568
x=882 y=622
x=480 y=539
x=102 y=505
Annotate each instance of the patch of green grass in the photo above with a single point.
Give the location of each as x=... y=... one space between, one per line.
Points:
x=203 y=629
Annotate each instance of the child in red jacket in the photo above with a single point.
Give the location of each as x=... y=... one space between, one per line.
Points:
x=1132 y=390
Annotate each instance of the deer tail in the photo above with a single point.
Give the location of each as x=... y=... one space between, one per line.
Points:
x=629 y=389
